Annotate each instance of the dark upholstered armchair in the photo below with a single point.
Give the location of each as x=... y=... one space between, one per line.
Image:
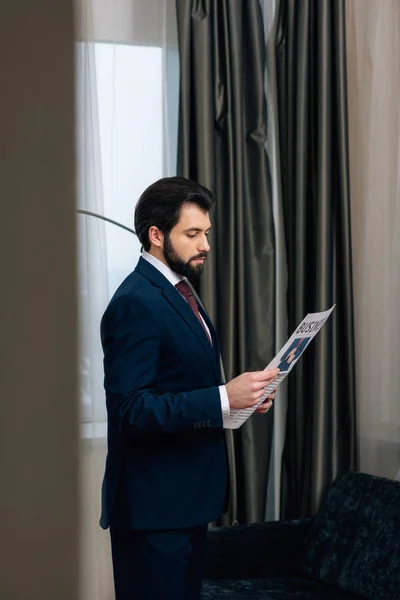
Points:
x=350 y=550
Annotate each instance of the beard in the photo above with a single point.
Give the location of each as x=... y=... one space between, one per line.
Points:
x=175 y=262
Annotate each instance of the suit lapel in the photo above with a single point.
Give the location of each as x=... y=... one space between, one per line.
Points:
x=175 y=299
x=214 y=336
x=206 y=318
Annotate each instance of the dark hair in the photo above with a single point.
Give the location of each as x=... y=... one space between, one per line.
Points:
x=160 y=205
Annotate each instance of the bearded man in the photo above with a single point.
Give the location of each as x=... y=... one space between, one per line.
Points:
x=166 y=469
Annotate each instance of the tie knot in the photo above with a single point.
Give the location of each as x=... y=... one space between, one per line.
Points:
x=184 y=288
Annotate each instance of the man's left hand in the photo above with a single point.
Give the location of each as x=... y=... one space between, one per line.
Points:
x=266 y=405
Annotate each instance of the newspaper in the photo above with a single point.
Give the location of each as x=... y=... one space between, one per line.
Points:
x=285 y=360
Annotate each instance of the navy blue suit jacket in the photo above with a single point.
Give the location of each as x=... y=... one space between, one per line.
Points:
x=166 y=466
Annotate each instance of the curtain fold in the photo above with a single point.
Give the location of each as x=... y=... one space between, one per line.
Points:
x=271 y=19
x=221 y=145
x=312 y=97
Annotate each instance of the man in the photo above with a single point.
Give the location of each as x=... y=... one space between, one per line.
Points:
x=293 y=353
x=166 y=471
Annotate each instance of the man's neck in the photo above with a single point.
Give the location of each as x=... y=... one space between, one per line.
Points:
x=164 y=268
x=158 y=255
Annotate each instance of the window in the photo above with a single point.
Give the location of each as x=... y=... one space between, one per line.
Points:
x=133 y=140
x=137 y=110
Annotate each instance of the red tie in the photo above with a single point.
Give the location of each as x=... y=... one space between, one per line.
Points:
x=184 y=288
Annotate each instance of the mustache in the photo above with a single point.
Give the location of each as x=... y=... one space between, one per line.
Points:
x=198 y=256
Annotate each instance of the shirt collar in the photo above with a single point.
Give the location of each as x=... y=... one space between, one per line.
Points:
x=164 y=269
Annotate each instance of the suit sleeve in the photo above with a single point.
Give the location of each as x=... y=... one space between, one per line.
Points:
x=131 y=343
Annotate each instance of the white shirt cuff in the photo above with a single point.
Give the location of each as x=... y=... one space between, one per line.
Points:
x=225 y=406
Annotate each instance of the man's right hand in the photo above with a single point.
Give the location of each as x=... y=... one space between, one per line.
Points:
x=247 y=389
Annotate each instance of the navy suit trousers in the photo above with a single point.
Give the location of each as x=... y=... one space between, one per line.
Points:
x=158 y=565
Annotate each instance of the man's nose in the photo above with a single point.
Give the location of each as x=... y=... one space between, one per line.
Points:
x=204 y=245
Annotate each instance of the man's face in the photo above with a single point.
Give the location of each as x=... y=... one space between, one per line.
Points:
x=186 y=246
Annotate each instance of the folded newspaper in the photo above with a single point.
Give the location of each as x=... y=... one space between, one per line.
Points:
x=285 y=361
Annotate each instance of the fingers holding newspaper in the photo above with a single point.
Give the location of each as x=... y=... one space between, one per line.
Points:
x=250 y=389
x=266 y=405
x=247 y=389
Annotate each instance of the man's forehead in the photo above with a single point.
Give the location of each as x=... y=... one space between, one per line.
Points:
x=192 y=216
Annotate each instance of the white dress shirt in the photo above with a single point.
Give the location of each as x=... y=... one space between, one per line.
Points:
x=174 y=278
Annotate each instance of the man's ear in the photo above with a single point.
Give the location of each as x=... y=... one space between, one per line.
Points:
x=156 y=237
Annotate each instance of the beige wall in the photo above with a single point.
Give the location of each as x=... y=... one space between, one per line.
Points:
x=38 y=395
x=373 y=57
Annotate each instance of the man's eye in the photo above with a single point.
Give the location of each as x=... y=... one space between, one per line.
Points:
x=191 y=235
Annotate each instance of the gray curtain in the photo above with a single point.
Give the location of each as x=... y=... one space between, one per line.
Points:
x=312 y=97
x=222 y=134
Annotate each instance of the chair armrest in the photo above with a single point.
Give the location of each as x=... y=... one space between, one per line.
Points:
x=258 y=550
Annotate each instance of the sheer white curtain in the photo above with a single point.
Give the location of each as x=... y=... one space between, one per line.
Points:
x=127 y=116
x=93 y=297
x=373 y=56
